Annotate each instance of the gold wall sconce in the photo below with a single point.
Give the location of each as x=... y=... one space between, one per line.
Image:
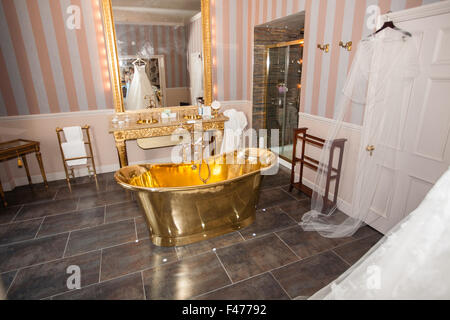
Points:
x=325 y=47
x=347 y=46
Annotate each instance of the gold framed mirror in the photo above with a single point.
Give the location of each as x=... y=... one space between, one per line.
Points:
x=122 y=66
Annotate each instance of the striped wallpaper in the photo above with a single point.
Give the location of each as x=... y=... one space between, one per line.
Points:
x=169 y=41
x=45 y=66
x=48 y=68
x=327 y=21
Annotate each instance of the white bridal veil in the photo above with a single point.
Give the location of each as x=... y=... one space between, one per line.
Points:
x=383 y=69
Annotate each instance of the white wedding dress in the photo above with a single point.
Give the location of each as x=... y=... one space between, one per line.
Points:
x=411 y=262
x=378 y=83
x=140 y=88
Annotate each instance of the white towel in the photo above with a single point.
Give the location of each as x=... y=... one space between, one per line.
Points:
x=74 y=149
x=234 y=129
x=73 y=134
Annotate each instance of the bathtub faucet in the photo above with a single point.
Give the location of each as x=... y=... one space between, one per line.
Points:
x=200 y=172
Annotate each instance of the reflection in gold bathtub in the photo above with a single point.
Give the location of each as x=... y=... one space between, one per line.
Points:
x=181 y=208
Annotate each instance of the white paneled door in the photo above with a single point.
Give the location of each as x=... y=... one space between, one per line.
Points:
x=425 y=152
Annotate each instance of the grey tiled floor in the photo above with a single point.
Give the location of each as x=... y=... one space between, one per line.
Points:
x=102 y=230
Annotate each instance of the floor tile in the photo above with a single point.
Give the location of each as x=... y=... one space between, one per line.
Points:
x=296 y=193
x=132 y=257
x=80 y=190
x=207 y=245
x=273 y=197
x=113 y=185
x=353 y=251
x=29 y=194
x=106 y=177
x=34 y=188
x=186 y=278
x=72 y=221
x=23 y=254
x=364 y=232
x=123 y=211
x=142 y=228
x=262 y=287
x=105 y=198
x=307 y=276
x=103 y=236
x=125 y=288
x=252 y=257
x=5 y=282
x=305 y=243
x=51 y=278
x=46 y=208
x=7 y=214
x=267 y=221
x=296 y=209
x=280 y=179
x=117 y=196
x=19 y=231
x=84 y=180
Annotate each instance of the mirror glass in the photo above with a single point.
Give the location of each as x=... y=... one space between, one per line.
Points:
x=160 y=51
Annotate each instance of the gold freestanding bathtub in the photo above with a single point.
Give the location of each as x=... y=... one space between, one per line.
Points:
x=182 y=206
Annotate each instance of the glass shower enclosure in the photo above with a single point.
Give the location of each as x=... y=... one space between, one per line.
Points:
x=282 y=94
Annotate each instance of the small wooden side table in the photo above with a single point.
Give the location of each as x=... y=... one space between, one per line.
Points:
x=20 y=148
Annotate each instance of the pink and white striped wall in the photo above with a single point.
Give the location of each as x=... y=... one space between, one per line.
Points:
x=327 y=21
x=47 y=68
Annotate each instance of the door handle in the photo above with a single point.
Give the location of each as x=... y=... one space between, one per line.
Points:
x=370 y=149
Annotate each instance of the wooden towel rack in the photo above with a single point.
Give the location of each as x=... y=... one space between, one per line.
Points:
x=88 y=157
x=304 y=160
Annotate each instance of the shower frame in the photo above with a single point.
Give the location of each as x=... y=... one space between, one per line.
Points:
x=300 y=42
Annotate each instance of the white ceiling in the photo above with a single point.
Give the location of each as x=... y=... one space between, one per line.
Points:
x=293 y=21
x=162 y=12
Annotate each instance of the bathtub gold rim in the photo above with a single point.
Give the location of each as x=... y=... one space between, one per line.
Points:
x=273 y=162
x=168 y=189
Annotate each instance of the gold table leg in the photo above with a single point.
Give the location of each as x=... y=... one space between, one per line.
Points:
x=25 y=164
x=219 y=139
x=41 y=166
x=122 y=151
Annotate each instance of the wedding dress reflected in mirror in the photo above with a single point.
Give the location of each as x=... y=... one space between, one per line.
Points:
x=141 y=94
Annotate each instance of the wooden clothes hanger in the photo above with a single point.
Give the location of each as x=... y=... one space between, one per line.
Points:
x=389 y=24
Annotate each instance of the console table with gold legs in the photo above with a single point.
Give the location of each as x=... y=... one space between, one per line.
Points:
x=19 y=149
x=133 y=131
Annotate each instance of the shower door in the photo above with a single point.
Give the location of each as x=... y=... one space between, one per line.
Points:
x=282 y=101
